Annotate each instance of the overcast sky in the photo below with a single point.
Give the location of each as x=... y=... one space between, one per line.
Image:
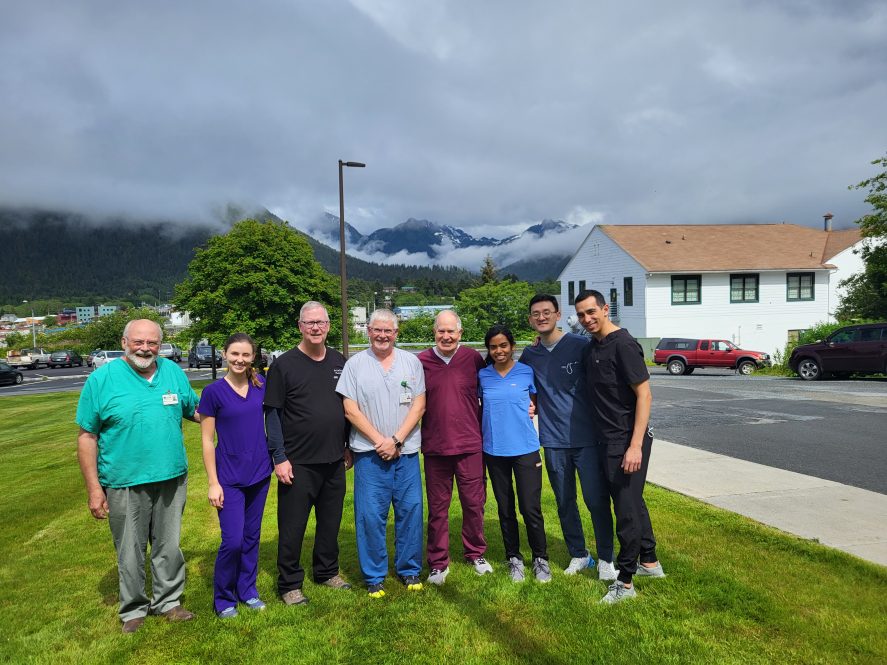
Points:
x=487 y=115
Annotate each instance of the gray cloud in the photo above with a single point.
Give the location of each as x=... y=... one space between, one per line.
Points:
x=487 y=116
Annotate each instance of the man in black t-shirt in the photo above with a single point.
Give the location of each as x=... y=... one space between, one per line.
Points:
x=308 y=436
x=619 y=388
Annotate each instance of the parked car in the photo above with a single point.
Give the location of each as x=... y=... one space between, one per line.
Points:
x=66 y=358
x=9 y=374
x=682 y=355
x=92 y=354
x=170 y=351
x=103 y=357
x=859 y=349
x=30 y=358
x=202 y=356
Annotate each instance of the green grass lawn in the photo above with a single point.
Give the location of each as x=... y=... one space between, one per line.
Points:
x=736 y=591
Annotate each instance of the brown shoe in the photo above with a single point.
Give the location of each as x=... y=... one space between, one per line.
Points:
x=178 y=613
x=133 y=625
x=337 y=582
x=294 y=597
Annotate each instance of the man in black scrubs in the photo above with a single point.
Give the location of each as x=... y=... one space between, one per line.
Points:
x=620 y=396
x=307 y=436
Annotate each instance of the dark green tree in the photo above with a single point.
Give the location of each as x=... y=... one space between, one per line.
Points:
x=417 y=329
x=503 y=302
x=254 y=279
x=865 y=295
x=488 y=271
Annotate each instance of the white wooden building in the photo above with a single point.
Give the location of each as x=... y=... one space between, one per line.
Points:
x=754 y=284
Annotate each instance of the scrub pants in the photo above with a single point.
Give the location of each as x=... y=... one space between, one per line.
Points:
x=137 y=514
x=633 y=527
x=237 y=563
x=377 y=485
x=527 y=471
x=468 y=469
x=563 y=464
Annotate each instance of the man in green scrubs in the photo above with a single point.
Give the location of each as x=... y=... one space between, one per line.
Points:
x=132 y=456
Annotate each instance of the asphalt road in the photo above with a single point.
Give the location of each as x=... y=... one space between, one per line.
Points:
x=828 y=429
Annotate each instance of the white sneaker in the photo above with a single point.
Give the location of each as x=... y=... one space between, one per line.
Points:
x=577 y=563
x=516 y=569
x=618 y=592
x=481 y=566
x=654 y=571
x=606 y=571
x=437 y=576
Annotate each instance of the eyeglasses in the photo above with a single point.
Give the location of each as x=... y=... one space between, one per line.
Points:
x=142 y=342
x=315 y=324
x=542 y=315
x=383 y=331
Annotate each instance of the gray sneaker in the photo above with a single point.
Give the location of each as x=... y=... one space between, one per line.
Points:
x=481 y=566
x=653 y=571
x=541 y=570
x=516 y=569
x=294 y=597
x=618 y=592
x=438 y=576
x=606 y=571
x=337 y=582
x=577 y=563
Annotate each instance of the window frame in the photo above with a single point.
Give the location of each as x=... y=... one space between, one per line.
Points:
x=800 y=276
x=744 y=276
x=685 y=279
x=627 y=292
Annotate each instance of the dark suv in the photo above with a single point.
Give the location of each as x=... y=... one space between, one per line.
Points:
x=859 y=349
x=65 y=359
x=202 y=356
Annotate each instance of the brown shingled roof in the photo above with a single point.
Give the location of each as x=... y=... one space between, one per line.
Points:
x=717 y=247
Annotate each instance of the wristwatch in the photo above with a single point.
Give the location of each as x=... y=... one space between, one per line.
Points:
x=397 y=442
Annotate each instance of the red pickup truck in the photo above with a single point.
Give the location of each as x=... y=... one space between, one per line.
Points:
x=681 y=355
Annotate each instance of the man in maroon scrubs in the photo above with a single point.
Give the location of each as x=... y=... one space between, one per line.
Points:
x=453 y=447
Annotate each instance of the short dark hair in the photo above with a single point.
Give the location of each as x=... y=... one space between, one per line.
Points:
x=544 y=297
x=497 y=329
x=591 y=293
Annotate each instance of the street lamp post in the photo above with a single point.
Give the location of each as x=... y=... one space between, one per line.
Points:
x=33 y=326
x=342 y=275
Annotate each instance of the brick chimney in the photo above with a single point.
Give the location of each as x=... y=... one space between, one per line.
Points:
x=827 y=222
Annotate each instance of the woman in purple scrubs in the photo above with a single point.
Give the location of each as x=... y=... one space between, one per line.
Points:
x=239 y=471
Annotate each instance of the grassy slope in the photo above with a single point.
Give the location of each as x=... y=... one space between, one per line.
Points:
x=736 y=592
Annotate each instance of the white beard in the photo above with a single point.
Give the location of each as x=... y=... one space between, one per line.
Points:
x=142 y=362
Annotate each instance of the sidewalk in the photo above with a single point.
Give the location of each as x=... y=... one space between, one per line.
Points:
x=847 y=518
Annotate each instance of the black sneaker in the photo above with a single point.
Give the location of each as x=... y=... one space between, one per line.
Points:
x=411 y=582
x=376 y=590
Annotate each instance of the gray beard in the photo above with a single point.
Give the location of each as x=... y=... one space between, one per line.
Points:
x=142 y=362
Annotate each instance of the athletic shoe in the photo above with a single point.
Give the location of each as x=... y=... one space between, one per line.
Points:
x=294 y=597
x=541 y=570
x=336 y=582
x=228 y=613
x=578 y=563
x=618 y=592
x=516 y=569
x=376 y=590
x=481 y=566
x=654 y=571
x=255 y=604
x=411 y=582
x=438 y=576
x=606 y=571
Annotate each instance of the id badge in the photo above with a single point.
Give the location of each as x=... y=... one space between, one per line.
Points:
x=170 y=399
x=406 y=398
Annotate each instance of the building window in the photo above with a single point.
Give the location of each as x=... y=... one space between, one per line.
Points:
x=743 y=288
x=581 y=286
x=627 y=292
x=686 y=289
x=571 y=291
x=799 y=286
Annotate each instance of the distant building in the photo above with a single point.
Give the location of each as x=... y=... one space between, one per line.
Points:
x=90 y=313
x=411 y=311
x=66 y=316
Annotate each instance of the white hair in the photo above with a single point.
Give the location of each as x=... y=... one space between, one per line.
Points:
x=451 y=313
x=384 y=315
x=129 y=324
x=312 y=304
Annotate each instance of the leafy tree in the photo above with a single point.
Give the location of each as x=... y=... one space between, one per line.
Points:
x=417 y=329
x=254 y=279
x=866 y=292
x=106 y=331
x=503 y=302
x=488 y=271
